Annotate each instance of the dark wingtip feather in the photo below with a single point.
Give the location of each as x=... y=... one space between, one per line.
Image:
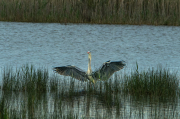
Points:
x=72 y=71
x=58 y=69
x=123 y=63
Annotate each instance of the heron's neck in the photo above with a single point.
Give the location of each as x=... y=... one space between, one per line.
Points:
x=89 y=66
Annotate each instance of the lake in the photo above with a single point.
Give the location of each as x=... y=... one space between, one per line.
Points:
x=53 y=44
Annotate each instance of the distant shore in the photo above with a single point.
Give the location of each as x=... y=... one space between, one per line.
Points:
x=153 y=12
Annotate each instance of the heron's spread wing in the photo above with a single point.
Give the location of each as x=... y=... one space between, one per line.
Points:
x=72 y=71
x=107 y=69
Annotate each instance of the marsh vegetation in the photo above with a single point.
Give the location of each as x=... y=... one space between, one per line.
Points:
x=155 y=12
x=33 y=93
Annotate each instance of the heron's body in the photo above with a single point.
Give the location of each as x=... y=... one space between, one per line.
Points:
x=103 y=73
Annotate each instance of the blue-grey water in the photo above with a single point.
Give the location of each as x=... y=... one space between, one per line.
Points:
x=53 y=44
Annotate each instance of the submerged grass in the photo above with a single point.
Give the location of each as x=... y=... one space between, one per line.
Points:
x=155 y=12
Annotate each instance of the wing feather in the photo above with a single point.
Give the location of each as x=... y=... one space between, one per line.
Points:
x=107 y=69
x=72 y=71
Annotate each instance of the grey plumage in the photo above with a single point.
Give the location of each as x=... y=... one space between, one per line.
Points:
x=103 y=73
x=72 y=71
x=107 y=69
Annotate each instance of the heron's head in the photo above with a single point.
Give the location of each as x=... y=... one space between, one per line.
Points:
x=89 y=54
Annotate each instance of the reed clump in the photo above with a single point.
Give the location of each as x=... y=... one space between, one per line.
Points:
x=155 y=12
x=158 y=82
x=26 y=78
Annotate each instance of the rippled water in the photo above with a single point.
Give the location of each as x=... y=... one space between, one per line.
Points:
x=53 y=44
x=48 y=45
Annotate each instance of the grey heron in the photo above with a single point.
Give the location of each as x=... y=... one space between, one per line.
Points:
x=103 y=73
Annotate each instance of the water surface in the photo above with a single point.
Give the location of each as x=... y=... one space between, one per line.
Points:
x=48 y=45
x=52 y=44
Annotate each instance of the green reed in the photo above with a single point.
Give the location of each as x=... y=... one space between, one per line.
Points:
x=38 y=87
x=156 y=12
x=26 y=78
x=159 y=82
x=33 y=105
